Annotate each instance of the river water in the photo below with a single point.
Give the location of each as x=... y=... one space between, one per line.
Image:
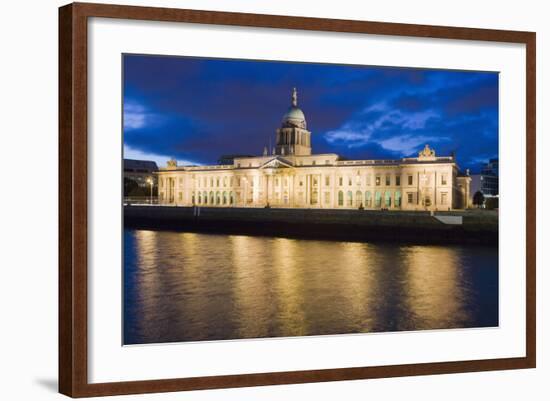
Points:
x=192 y=287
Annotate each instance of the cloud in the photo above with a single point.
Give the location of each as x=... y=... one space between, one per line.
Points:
x=377 y=121
x=136 y=116
x=408 y=144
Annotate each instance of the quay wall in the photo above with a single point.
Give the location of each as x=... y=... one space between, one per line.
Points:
x=479 y=227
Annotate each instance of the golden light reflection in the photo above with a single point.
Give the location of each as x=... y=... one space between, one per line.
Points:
x=434 y=293
x=250 y=260
x=289 y=288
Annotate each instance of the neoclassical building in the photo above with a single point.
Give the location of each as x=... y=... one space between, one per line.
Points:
x=291 y=176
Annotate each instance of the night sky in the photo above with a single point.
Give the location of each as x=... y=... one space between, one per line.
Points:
x=195 y=110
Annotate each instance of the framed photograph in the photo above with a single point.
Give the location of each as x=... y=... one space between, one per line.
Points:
x=252 y=200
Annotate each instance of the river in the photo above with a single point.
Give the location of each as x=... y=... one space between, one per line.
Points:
x=191 y=287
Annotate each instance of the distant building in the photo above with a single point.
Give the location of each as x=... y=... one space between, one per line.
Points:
x=487 y=181
x=291 y=176
x=141 y=171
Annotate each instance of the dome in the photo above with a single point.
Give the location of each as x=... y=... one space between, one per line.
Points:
x=294 y=114
x=294 y=117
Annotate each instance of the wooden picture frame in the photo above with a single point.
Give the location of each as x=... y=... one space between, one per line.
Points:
x=73 y=195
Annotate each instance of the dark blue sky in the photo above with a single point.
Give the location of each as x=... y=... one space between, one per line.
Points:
x=195 y=110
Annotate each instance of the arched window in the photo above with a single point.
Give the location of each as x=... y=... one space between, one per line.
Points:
x=368 y=200
x=397 y=199
x=377 y=199
x=225 y=198
x=205 y=197
x=387 y=202
x=340 y=198
x=200 y=198
x=350 y=198
x=231 y=200
x=358 y=199
x=218 y=199
x=211 y=197
x=193 y=198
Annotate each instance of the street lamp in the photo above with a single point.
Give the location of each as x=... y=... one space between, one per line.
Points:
x=150 y=182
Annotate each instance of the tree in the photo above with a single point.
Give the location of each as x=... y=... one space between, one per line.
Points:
x=478 y=199
x=491 y=203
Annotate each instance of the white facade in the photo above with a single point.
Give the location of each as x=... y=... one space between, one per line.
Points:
x=293 y=177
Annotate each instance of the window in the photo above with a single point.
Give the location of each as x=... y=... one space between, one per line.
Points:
x=397 y=180
x=327 y=180
x=368 y=179
x=211 y=182
x=377 y=199
x=349 y=181
x=409 y=197
x=276 y=181
x=225 y=198
x=357 y=179
x=217 y=182
x=327 y=161
x=340 y=181
x=301 y=183
x=224 y=181
x=314 y=162
x=377 y=180
x=218 y=199
x=340 y=198
x=350 y=198
x=444 y=198
x=443 y=179
x=388 y=199
x=315 y=181
x=205 y=197
x=397 y=199
x=327 y=197
x=358 y=199
x=388 y=180
x=410 y=180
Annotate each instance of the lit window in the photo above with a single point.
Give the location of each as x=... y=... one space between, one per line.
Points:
x=377 y=181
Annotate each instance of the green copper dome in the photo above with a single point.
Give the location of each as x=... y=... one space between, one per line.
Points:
x=294 y=117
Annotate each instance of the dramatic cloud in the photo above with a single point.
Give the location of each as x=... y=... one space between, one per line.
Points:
x=196 y=110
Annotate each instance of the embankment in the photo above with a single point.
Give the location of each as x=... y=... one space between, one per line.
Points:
x=351 y=225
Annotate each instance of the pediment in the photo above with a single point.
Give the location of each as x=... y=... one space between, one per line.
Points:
x=277 y=162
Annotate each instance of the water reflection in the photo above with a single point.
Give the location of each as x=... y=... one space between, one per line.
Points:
x=190 y=287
